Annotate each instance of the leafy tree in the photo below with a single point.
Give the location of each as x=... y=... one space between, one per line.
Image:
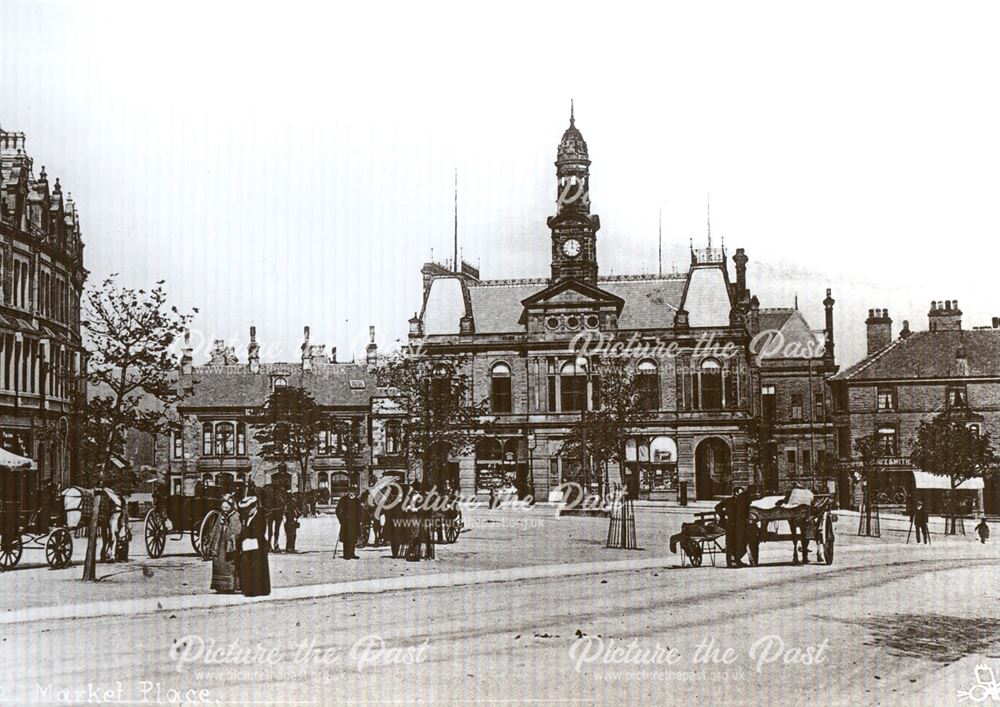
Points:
x=130 y=335
x=600 y=436
x=292 y=419
x=949 y=447
x=440 y=413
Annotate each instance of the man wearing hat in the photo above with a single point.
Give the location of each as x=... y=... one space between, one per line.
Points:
x=255 y=576
x=349 y=516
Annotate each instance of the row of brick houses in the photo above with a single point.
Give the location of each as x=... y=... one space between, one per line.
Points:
x=914 y=377
x=41 y=356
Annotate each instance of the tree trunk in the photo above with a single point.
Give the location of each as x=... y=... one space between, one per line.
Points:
x=90 y=559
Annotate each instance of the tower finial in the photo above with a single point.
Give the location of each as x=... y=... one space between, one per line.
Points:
x=660 y=237
x=708 y=211
x=457 y=268
x=572 y=117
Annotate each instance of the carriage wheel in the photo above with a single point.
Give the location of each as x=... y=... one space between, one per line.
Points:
x=695 y=556
x=828 y=540
x=206 y=533
x=196 y=537
x=59 y=548
x=10 y=552
x=454 y=530
x=155 y=534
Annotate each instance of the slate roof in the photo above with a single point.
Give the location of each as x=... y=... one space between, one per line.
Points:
x=774 y=318
x=235 y=386
x=650 y=301
x=927 y=354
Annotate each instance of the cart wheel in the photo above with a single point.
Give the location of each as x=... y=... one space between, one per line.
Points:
x=59 y=548
x=196 y=537
x=154 y=533
x=828 y=540
x=695 y=556
x=454 y=530
x=10 y=552
x=206 y=532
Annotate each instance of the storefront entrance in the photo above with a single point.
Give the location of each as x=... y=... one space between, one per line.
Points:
x=713 y=469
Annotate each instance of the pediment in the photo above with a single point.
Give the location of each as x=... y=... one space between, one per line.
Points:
x=573 y=293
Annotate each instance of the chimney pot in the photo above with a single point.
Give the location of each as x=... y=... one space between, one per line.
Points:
x=871 y=313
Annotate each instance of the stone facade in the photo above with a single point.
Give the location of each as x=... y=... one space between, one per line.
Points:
x=219 y=416
x=690 y=333
x=42 y=273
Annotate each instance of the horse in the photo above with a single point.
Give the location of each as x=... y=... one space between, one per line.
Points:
x=272 y=505
x=797 y=509
x=78 y=505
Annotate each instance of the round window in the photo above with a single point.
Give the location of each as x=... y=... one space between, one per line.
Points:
x=592 y=321
x=573 y=322
x=552 y=322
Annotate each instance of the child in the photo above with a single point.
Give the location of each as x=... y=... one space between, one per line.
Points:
x=983 y=530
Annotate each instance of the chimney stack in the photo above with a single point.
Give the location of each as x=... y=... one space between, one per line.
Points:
x=371 y=352
x=306 y=357
x=996 y=322
x=333 y=354
x=828 y=306
x=187 y=357
x=741 y=260
x=879 y=330
x=253 y=351
x=944 y=316
x=905 y=331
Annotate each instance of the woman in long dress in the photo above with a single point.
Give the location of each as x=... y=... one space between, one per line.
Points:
x=255 y=577
x=225 y=552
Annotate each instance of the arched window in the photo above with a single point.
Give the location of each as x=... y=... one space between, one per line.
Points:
x=489 y=449
x=573 y=384
x=225 y=439
x=280 y=382
x=241 y=439
x=393 y=436
x=649 y=385
x=500 y=390
x=441 y=390
x=323 y=480
x=206 y=439
x=206 y=479
x=711 y=384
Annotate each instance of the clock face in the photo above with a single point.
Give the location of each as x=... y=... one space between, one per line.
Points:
x=571 y=247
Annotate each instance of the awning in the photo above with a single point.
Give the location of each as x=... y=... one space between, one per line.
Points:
x=926 y=480
x=9 y=460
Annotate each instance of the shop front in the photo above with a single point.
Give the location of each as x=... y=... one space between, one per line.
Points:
x=651 y=467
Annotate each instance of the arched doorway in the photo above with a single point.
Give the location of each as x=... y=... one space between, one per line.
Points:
x=713 y=469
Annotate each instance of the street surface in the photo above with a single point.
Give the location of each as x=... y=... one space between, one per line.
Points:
x=887 y=623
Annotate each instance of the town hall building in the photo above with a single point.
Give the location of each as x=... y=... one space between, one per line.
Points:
x=703 y=394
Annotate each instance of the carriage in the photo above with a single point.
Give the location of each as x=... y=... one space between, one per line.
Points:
x=181 y=515
x=28 y=512
x=800 y=516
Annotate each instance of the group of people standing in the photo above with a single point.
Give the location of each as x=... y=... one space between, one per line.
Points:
x=409 y=518
x=239 y=549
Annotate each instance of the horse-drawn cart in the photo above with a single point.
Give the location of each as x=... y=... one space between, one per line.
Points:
x=194 y=516
x=799 y=516
x=34 y=517
x=806 y=516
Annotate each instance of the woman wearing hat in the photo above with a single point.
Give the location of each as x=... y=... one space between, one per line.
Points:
x=225 y=552
x=255 y=577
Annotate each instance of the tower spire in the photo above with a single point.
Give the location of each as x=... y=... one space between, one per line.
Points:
x=455 y=261
x=572 y=118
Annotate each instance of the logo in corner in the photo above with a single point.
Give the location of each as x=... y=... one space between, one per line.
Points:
x=987 y=686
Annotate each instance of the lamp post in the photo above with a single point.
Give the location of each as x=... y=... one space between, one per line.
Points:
x=532 y=443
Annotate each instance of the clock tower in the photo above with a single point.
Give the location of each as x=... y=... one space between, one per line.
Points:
x=574 y=228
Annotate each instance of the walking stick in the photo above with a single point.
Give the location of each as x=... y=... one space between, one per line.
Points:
x=909 y=531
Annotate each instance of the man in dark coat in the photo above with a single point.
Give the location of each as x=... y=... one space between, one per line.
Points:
x=395 y=497
x=291 y=522
x=920 y=520
x=735 y=511
x=255 y=576
x=349 y=515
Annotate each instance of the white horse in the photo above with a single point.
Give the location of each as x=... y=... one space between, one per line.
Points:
x=78 y=504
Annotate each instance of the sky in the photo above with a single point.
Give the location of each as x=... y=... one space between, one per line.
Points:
x=292 y=164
